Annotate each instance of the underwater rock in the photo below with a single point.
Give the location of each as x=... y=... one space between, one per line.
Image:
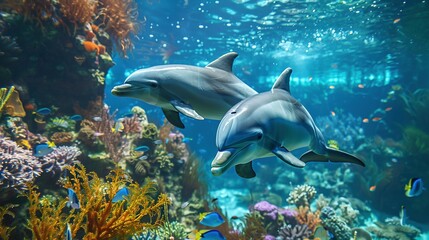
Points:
x=392 y=229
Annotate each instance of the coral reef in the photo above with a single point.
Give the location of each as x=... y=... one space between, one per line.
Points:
x=61 y=157
x=301 y=195
x=18 y=166
x=5 y=231
x=348 y=136
x=98 y=217
x=306 y=217
x=335 y=224
x=392 y=229
x=297 y=232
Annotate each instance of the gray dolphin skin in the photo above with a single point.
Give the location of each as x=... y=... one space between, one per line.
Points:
x=271 y=124
x=197 y=92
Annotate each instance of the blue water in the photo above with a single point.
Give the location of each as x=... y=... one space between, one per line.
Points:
x=346 y=56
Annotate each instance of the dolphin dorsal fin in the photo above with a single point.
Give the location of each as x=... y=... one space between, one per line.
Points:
x=224 y=62
x=283 y=80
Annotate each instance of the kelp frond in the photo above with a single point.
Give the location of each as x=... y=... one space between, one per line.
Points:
x=98 y=217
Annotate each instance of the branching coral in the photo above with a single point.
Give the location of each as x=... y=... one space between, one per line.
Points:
x=308 y=218
x=393 y=230
x=301 y=195
x=254 y=228
x=297 y=232
x=98 y=217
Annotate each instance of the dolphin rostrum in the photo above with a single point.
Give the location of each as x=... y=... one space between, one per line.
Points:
x=268 y=124
x=197 y=92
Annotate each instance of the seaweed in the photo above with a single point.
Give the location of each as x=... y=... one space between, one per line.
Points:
x=98 y=217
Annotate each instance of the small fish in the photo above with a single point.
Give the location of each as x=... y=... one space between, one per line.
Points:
x=43 y=111
x=214 y=200
x=332 y=87
x=120 y=195
x=158 y=142
x=42 y=150
x=170 y=155
x=209 y=234
x=60 y=123
x=414 y=187
x=68 y=232
x=142 y=149
x=211 y=219
x=73 y=200
x=395 y=160
x=143 y=157
x=360 y=85
x=402 y=216
x=97 y=119
x=388 y=109
x=376 y=119
x=234 y=217
x=333 y=114
x=76 y=118
x=186 y=139
x=185 y=204
x=365 y=120
x=119 y=127
x=396 y=21
x=372 y=188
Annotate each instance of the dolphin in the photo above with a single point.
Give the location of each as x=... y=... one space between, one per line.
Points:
x=268 y=124
x=197 y=92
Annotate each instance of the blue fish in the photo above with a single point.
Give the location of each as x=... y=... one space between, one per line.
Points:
x=186 y=139
x=120 y=195
x=211 y=219
x=414 y=187
x=43 y=111
x=73 y=200
x=158 y=142
x=209 y=234
x=141 y=149
x=42 y=150
x=68 y=232
x=76 y=118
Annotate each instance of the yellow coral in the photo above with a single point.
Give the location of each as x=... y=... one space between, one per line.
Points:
x=98 y=217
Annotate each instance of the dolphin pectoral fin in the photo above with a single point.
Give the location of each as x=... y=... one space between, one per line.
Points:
x=173 y=117
x=245 y=170
x=186 y=109
x=288 y=157
x=332 y=156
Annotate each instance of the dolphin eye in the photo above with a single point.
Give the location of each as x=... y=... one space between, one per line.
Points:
x=234 y=112
x=153 y=84
x=259 y=136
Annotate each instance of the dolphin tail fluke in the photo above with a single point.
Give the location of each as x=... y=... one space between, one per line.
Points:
x=173 y=117
x=332 y=156
x=245 y=170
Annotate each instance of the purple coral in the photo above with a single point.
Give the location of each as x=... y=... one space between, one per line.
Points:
x=266 y=209
x=59 y=158
x=18 y=166
x=269 y=237
x=289 y=215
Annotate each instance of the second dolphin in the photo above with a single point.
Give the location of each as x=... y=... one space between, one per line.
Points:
x=268 y=124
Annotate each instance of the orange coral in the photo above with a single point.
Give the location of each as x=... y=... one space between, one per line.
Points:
x=98 y=217
x=78 y=11
x=120 y=20
x=91 y=47
x=305 y=216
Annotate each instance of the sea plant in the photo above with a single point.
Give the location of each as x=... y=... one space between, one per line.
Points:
x=98 y=217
